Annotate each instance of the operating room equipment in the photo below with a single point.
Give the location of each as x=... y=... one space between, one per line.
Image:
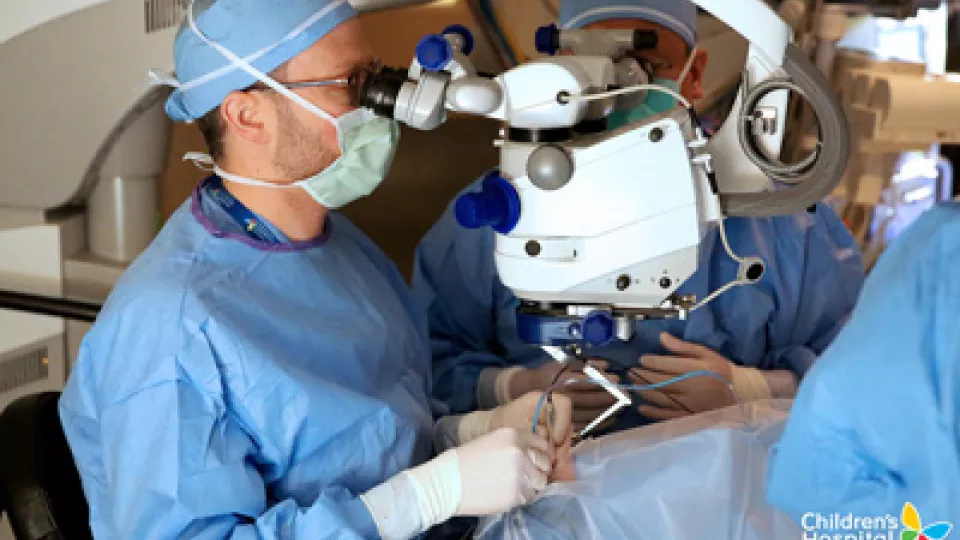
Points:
x=568 y=197
x=886 y=61
x=82 y=148
x=473 y=320
x=617 y=390
x=899 y=114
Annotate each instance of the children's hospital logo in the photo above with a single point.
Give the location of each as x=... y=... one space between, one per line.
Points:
x=909 y=526
x=913 y=528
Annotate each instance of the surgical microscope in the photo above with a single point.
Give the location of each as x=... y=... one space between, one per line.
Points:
x=597 y=229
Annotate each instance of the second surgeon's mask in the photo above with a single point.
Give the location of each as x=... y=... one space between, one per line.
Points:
x=368 y=144
x=655 y=102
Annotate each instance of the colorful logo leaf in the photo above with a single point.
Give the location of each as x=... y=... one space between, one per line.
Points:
x=937 y=531
x=914 y=529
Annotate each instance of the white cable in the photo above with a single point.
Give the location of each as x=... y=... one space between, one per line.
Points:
x=613 y=93
x=718 y=292
x=687 y=66
x=726 y=242
x=730 y=253
x=200 y=160
x=631 y=90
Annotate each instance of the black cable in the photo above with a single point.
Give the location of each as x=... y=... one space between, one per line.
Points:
x=45 y=305
x=553 y=383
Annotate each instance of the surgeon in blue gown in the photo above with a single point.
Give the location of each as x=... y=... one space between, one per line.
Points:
x=876 y=423
x=261 y=370
x=762 y=337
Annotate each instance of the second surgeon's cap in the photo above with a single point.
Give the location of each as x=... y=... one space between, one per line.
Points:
x=266 y=33
x=677 y=15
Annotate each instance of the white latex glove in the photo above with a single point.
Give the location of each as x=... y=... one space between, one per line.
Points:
x=697 y=394
x=502 y=470
x=554 y=421
x=489 y=475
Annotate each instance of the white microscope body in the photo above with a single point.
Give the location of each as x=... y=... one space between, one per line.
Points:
x=611 y=218
x=597 y=228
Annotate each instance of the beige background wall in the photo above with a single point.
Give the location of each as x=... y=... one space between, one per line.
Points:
x=430 y=168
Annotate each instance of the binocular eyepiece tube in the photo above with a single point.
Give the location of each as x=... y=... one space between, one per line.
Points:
x=380 y=90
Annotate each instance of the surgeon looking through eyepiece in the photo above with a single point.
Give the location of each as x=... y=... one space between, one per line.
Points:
x=261 y=370
x=763 y=337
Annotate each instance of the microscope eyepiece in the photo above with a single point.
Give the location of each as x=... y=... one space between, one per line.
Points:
x=644 y=40
x=379 y=90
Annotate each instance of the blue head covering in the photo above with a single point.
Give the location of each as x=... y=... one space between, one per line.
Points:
x=677 y=15
x=267 y=33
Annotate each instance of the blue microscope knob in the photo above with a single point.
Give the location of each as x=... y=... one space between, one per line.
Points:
x=434 y=52
x=547 y=39
x=497 y=205
x=464 y=32
x=598 y=328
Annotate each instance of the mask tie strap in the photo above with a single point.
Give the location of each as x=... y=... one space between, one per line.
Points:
x=158 y=78
x=200 y=160
x=206 y=163
x=687 y=66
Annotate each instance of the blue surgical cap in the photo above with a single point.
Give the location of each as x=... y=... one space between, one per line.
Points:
x=266 y=33
x=677 y=15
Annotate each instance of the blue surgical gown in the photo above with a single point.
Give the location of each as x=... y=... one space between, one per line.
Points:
x=814 y=273
x=876 y=423
x=236 y=389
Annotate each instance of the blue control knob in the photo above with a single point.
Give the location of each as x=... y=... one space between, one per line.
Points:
x=547 y=39
x=598 y=328
x=434 y=52
x=464 y=33
x=497 y=205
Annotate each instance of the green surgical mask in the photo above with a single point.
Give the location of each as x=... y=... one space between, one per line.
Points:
x=655 y=103
x=367 y=143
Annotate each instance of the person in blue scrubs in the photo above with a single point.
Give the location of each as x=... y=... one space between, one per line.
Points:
x=876 y=423
x=763 y=337
x=261 y=370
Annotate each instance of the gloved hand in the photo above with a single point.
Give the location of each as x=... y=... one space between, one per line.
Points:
x=501 y=470
x=489 y=475
x=553 y=423
x=697 y=394
x=589 y=400
x=555 y=415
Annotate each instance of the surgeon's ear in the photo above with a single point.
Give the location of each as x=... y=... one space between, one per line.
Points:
x=693 y=84
x=245 y=115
